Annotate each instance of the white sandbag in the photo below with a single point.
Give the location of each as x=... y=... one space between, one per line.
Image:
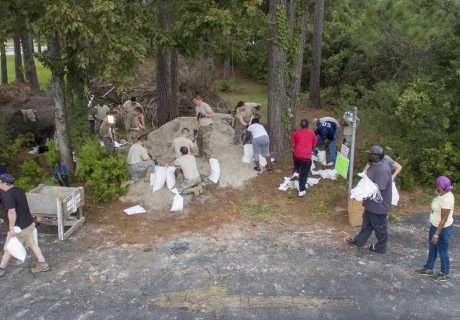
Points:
x=152 y=178
x=366 y=190
x=170 y=177
x=248 y=153
x=312 y=166
x=262 y=161
x=16 y=249
x=160 y=178
x=215 y=170
x=394 y=194
x=322 y=157
x=178 y=201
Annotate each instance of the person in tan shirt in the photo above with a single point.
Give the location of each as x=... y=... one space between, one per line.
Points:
x=183 y=141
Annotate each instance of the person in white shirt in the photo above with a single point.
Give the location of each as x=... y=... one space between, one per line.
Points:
x=260 y=143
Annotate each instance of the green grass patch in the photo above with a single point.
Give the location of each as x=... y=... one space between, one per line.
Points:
x=318 y=209
x=44 y=74
x=254 y=208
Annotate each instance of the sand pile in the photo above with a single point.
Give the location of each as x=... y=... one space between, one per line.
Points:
x=233 y=172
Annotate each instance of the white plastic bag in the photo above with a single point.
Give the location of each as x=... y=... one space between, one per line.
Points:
x=215 y=170
x=322 y=157
x=160 y=178
x=16 y=249
x=248 y=153
x=312 y=166
x=152 y=178
x=262 y=161
x=178 y=201
x=394 y=194
x=366 y=190
x=170 y=177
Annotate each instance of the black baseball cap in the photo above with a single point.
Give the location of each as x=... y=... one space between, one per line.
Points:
x=8 y=178
x=304 y=123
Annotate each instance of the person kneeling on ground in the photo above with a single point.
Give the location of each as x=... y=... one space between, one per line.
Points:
x=187 y=163
x=260 y=142
x=139 y=161
x=18 y=215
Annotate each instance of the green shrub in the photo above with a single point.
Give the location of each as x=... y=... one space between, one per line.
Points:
x=52 y=157
x=10 y=146
x=101 y=172
x=31 y=175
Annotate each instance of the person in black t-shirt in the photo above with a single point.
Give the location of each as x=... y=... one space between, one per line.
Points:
x=18 y=215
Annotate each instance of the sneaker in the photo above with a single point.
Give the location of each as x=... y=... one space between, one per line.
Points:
x=2 y=272
x=351 y=240
x=440 y=277
x=295 y=176
x=330 y=164
x=424 y=272
x=373 y=248
x=41 y=267
x=302 y=193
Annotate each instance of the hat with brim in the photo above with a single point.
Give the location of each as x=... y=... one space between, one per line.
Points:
x=7 y=178
x=376 y=150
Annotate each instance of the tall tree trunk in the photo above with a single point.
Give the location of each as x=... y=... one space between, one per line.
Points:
x=39 y=45
x=60 y=112
x=4 y=68
x=174 y=84
x=276 y=88
x=163 y=85
x=296 y=65
x=227 y=62
x=29 y=63
x=18 y=58
x=315 y=76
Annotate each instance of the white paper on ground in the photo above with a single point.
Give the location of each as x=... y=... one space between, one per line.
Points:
x=134 y=210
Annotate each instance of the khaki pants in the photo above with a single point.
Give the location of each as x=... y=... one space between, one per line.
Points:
x=204 y=140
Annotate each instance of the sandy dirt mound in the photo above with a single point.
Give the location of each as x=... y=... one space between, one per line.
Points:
x=234 y=173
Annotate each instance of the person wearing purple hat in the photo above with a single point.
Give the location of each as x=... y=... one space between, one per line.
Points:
x=376 y=210
x=18 y=216
x=441 y=229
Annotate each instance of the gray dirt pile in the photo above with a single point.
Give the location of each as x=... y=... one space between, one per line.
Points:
x=233 y=172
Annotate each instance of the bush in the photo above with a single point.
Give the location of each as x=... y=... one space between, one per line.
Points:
x=31 y=175
x=11 y=147
x=101 y=172
x=52 y=157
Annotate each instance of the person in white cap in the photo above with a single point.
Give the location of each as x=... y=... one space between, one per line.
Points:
x=18 y=216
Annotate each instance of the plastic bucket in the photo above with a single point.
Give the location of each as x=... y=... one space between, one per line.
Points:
x=355 y=213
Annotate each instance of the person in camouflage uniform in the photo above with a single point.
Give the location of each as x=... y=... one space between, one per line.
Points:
x=243 y=117
x=132 y=124
x=205 y=122
x=108 y=131
x=140 y=162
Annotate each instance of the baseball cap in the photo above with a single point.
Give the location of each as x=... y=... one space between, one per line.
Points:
x=304 y=123
x=6 y=177
x=376 y=150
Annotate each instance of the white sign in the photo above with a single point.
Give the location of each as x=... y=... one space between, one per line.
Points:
x=344 y=150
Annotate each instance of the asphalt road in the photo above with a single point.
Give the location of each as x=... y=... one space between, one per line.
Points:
x=264 y=274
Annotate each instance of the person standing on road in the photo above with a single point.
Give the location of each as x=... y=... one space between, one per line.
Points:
x=183 y=141
x=375 y=213
x=441 y=229
x=139 y=161
x=18 y=216
x=303 y=141
x=203 y=138
x=243 y=116
x=260 y=143
x=328 y=130
x=129 y=105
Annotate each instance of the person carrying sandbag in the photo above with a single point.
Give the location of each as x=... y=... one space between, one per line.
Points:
x=192 y=182
x=18 y=216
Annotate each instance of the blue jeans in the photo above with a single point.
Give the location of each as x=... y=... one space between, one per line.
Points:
x=332 y=146
x=442 y=247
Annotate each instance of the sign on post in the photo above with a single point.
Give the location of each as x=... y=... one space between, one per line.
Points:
x=341 y=165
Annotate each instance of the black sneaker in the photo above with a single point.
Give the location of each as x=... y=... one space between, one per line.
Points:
x=424 y=272
x=373 y=248
x=440 y=277
x=351 y=241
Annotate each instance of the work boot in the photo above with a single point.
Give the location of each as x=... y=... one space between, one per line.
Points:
x=147 y=177
x=41 y=267
x=196 y=191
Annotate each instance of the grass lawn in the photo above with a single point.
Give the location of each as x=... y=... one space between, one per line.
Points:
x=43 y=73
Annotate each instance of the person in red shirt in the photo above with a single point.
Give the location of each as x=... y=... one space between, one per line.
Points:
x=303 y=141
